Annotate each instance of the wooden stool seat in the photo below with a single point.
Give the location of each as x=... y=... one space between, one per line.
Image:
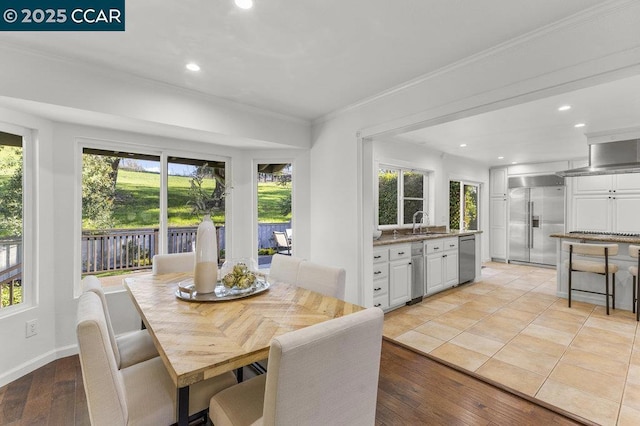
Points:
x=592 y=266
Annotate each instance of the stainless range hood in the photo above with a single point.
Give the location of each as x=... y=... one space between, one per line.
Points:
x=609 y=158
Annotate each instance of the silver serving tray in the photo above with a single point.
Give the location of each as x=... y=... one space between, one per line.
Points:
x=186 y=291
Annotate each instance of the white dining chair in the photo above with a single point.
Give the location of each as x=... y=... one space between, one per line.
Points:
x=327 y=280
x=128 y=348
x=284 y=269
x=175 y=262
x=142 y=394
x=325 y=374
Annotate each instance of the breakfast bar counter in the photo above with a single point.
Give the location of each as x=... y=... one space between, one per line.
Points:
x=594 y=282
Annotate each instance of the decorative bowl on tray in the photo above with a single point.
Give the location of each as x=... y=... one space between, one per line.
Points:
x=238 y=276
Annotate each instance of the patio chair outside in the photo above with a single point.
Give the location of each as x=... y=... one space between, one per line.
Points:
x=282 y=243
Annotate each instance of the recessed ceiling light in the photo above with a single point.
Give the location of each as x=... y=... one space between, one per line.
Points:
x=462 y=145
x=514 y=162
x=501 y=158
x=244 y=4
x=579 y=125
x=564 y=108
x=193 y=66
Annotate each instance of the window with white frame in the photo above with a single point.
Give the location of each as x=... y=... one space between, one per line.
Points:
x=463 y=205
x=137 y=204
x=13 y=287
x=401 y=193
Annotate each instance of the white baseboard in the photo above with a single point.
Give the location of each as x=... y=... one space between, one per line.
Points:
x=35 y=363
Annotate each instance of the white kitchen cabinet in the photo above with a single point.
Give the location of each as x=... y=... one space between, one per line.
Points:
x=391 y=275
x=626 y=209
x=498 y=183
x=498 y=213
x=607 y=213
x=442 y=264
x=381 y=277
x=399 y=274
x=435 y=277
x=498 y=228
x=607 y=184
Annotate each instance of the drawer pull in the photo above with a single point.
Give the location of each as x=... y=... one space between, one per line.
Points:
x=452 y=245
x=400 y=253
x=444 y=255
x=377 y=272
x=377 y=257
x=436 y=248
x=377 y=305
x=377 y=289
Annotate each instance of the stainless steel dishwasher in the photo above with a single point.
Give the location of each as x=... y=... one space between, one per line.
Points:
x=418 y=275
x=467 y=258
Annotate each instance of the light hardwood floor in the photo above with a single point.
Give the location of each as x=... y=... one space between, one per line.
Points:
x=509 y=328
x=412 y=390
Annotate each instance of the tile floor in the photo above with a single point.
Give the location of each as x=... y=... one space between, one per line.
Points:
x=510 y=327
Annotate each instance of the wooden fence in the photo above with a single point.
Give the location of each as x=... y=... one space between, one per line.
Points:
x=120 y=250
x=11 y=271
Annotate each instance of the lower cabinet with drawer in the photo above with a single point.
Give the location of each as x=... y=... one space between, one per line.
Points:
x=391 y=275
x=381 y=277
x=441 y=263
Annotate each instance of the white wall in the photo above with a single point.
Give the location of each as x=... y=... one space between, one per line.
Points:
x=588 y=50
x=18 y=353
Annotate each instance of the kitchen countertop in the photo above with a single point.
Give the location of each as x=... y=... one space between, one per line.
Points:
x=387 y=239
x=599 y=237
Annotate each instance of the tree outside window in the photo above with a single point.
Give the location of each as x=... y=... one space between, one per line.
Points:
x=401 y=193
x=463 y=206
x=11 y=220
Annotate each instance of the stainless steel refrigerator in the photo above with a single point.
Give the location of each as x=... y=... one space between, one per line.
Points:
x=536 y=210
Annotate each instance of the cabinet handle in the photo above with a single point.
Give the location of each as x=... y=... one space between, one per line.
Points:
x=452 y=245
x=444 y=255
x=377 y=305
x=614 y=190
x=377 y=257
x=377 y=272
x=377 y=289
x=436 y=248
x=400 y=253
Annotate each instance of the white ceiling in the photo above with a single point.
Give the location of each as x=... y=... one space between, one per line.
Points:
x=304 y=58
x=309 y=58
x=536 y=131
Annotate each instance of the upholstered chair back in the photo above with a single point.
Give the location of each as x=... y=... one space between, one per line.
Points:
x=284 y=269
x=325 y=374
x=327 y=280
x=176 y=262
x=103 y=382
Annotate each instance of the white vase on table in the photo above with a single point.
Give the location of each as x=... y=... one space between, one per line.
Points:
x=206 y=267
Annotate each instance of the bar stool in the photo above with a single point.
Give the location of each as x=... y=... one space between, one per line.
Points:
x=633 y=270
x=606 y=268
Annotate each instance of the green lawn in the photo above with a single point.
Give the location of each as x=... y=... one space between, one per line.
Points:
x=138 y=201
x=270 y=199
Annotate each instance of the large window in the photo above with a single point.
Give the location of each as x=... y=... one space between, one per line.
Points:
x=194 y=188
x=123 y=208
x=274 y=187
x=11 y=220
x=401 y=193
x=463 y=205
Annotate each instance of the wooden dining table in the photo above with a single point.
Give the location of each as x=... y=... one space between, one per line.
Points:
x=200 y=340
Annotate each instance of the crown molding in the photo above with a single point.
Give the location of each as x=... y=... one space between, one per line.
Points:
x=587 y=15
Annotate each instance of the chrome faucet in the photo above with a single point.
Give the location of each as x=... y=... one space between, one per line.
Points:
x=424 y=215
